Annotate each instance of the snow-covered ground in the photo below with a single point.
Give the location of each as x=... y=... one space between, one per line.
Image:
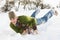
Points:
x=47 y=31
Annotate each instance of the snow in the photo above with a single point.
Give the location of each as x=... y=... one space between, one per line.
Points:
x=47 y=31
x=53 y=3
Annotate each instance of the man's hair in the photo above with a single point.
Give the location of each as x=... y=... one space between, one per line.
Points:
x=11 y=15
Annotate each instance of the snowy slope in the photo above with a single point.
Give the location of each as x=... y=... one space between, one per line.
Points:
x=47 y=31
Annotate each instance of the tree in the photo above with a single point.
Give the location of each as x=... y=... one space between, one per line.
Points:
x=8 y=5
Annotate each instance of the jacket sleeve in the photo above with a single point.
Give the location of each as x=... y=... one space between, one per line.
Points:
x=14 y=28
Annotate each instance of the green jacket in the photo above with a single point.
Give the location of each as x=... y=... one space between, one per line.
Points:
x=25 y=20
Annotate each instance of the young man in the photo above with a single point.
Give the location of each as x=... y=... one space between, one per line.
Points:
x=24 y=24
x=21 y=24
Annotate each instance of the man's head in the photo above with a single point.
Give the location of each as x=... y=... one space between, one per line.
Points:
x=12 y=17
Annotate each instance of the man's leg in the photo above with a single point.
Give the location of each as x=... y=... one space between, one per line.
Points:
x=35 y=13
x=45 y=18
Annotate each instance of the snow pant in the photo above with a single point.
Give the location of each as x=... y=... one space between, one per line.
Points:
x=43 y=19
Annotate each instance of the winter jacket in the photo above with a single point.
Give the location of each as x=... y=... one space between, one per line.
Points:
x=24 y=20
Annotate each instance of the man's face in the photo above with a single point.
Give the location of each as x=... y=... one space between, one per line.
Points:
x=14 y=20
